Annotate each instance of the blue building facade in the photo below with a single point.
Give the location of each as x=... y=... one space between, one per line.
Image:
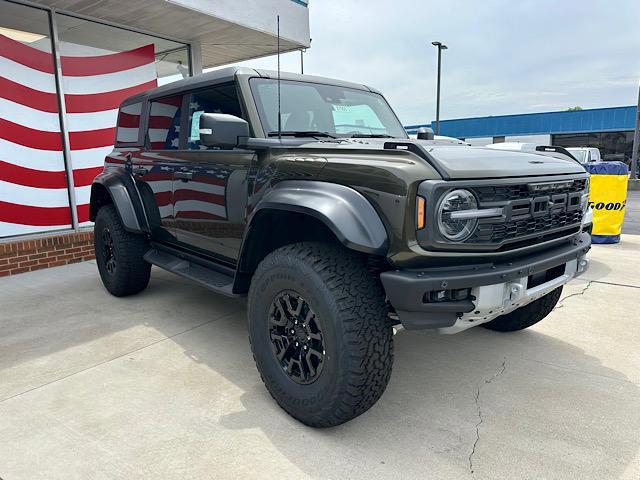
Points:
x=610 y=129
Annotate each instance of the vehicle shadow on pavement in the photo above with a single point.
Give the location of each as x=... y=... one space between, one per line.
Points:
x=521 y=405
x=454 y=404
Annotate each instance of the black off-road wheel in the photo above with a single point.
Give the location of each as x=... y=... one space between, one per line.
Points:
x=319 y=332
x=119 y=255
x=526 y=316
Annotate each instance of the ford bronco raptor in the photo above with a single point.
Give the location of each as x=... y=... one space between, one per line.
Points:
x=307 y=196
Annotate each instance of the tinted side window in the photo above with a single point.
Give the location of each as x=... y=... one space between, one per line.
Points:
x=218 y=99
x=128 y=129
x=164 y=123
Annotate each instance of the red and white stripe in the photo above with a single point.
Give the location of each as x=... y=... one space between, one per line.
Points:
x=95 y=82
x=33 y=187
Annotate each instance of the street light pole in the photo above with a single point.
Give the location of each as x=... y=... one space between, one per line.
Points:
x=636 y=142
x=440 y=46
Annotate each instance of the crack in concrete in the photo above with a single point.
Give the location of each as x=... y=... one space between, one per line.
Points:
x=581 y=292
x=485 y=381
x=615 y=284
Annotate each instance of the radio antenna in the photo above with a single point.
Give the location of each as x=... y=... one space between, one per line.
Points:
x=279 y=108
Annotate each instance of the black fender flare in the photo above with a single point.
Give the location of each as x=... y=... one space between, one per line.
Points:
x=345 y=211
x=125 y=197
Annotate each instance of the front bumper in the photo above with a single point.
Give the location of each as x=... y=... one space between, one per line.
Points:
x=495 y=288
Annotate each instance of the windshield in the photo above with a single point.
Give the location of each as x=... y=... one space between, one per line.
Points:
x=578 y=154
x=323 y=110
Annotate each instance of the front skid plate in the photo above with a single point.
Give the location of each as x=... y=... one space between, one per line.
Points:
x=501 y=298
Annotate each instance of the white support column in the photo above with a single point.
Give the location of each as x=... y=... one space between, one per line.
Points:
x=66 y=147
x=195 y=60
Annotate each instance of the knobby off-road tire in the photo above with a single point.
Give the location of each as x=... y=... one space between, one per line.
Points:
x=119 y=255
x=526 y=316
x=347 y=306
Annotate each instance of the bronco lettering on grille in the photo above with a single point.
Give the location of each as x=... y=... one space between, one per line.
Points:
x=548 y=186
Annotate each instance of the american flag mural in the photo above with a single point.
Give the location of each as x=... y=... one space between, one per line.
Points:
x=33 y=189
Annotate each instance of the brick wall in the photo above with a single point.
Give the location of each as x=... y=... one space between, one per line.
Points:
x=28 y=255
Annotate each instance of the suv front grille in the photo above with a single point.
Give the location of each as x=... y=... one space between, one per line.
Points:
x=531 y=214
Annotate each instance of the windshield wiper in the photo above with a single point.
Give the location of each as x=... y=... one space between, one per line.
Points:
x=301 y=133
x=371 y=135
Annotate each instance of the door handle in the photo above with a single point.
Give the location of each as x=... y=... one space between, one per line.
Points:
x=184 y=176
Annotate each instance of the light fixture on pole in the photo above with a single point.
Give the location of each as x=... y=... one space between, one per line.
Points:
x=440 y=46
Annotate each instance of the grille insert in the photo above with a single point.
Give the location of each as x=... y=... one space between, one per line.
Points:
x=500 y=232
x=503 y=193
x=531 y=216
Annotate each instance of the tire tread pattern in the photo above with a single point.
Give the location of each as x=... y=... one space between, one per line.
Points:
x=368 y=338
x=132 y=271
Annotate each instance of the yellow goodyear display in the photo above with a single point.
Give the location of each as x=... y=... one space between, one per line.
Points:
x=608 y=199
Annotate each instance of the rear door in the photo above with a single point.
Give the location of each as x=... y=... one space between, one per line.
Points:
x=210 y=188
x=154 y=166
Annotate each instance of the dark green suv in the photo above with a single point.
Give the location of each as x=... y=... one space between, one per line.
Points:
x=307 y=195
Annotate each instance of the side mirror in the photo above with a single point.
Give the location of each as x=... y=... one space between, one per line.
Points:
x=221 y=130
x=425 y=133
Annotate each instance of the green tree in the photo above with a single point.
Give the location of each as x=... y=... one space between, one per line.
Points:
x=574 y=109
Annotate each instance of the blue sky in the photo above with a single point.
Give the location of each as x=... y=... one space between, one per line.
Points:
x=503 y=57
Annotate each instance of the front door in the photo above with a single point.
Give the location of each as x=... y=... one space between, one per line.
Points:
x=210 y=189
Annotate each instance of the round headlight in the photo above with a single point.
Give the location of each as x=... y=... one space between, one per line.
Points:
x=455 y=227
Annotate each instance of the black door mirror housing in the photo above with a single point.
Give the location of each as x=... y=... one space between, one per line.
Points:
x=425 y=133
x=222 y=130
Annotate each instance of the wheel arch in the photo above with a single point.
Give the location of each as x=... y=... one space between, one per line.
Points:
x=118 y=188
x=297 y=211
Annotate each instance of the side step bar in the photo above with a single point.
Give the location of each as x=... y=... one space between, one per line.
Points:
x=207 y=277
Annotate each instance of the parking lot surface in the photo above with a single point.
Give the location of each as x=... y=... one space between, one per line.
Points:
x=163 y=385
x=632 y=215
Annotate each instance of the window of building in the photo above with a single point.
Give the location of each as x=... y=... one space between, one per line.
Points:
x=219 y=99
x=500 y=139
x=34 y=195
x=164 y=123
x=611 y=144
x=165 y=60
x=100 y=66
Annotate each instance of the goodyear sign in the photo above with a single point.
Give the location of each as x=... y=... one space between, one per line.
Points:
x=608 y=198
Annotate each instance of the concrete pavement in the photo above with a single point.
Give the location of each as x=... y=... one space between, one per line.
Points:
x=632 y=215
x=162 y=385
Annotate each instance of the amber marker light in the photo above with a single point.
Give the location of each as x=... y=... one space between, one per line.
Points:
x=420 y=213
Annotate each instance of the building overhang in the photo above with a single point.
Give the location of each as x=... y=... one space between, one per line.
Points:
x=226 y=31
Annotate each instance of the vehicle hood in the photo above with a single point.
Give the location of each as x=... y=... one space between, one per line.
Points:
x=462 y=162
x=476 y=162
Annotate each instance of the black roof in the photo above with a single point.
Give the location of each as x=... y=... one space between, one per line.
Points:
x=228 y=74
